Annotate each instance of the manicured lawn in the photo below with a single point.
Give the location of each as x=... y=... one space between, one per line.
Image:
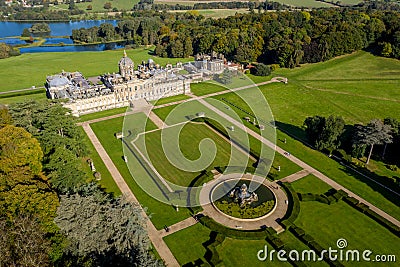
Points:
x=186 y=245
x=27 y=70
x=21 y=98
x=102 y=114
x=169 y=99
x=106 y=182
x=328 y=223
x=310 y=184
x=235 y=252
x=98 y=5
x=181 y=111
x=161 y=214
x=189 y=139
x=205 y=88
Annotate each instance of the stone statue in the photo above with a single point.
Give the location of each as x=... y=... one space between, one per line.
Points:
x=242 y=195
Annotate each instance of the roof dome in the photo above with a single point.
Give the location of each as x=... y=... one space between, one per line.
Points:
x=125 y=61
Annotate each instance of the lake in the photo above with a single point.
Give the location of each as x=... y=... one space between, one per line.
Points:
x=10 y=29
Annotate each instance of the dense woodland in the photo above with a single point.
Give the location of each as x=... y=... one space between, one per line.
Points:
x=284 y=38
x=51 y=211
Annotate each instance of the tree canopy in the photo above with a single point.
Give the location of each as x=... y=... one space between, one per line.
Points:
x=114 y=229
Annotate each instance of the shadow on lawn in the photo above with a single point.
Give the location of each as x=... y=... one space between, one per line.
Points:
x=299 y=134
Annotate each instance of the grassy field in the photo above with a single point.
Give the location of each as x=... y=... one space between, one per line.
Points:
x=161 y=214
x=310 y=184
x=27 y=70
x=304 y=3
x=102 y=114
x=169 y=99
x=287 y=167
x=186 y=245
x=98 y=5
x=106 y=182
x=189 y=139
x=328 y=223
x=22 y=98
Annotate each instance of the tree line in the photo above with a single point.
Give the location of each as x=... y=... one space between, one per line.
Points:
x=51 y=211
x=284 y=38
x=332 y=135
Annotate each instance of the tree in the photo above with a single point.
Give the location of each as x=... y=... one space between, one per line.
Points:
x=324 y=133
x=71 y=5
x=114 y=229
x=26 y=33
x=107 y=5
x=64 y=172
x=374 y=133
x=5 y=117
x=19 y=149
x=23 y=188
x=89 y=7
x=23 y=243
x=261 y=70
x=187 y=47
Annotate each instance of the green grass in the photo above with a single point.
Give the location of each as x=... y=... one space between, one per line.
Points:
x=98 y=5
x=205 y=88
x=27 y=70
x=189 y=139
x=360 y=73
x=328 y=223
x=304 y=3
x=287 y=167
x=310 y=184
x=161 y=214
x=340 y=174
x=106 y=182
x=21 y=98
x=170 y=99
x=235 y=252
x=186 y=245
x=102 y=114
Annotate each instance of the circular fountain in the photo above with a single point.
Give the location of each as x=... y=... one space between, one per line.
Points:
x=243 y=199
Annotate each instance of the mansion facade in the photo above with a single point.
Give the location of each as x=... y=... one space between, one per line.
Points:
x=149 y=81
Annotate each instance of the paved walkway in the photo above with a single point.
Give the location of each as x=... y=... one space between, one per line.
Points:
x=157 y=241
x=178 y=226
x=295 y=176
x=300 y=163
x=157 y=121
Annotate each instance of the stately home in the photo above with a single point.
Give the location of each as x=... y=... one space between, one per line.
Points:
x=148 y=81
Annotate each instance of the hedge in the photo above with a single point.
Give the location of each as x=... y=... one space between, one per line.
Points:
x=233 y=233
x=297 y=231
x=307 y=239
x=351 y=201
x=294 y=203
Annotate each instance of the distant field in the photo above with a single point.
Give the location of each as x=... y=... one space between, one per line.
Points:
x=98 y=5
x=31 y=69
x=304 y=3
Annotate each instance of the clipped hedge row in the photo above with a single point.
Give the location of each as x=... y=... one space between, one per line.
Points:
x=233 y=233
x=293 y=205
x=212 y=255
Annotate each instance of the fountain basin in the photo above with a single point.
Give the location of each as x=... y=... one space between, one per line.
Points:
x=254 y=210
